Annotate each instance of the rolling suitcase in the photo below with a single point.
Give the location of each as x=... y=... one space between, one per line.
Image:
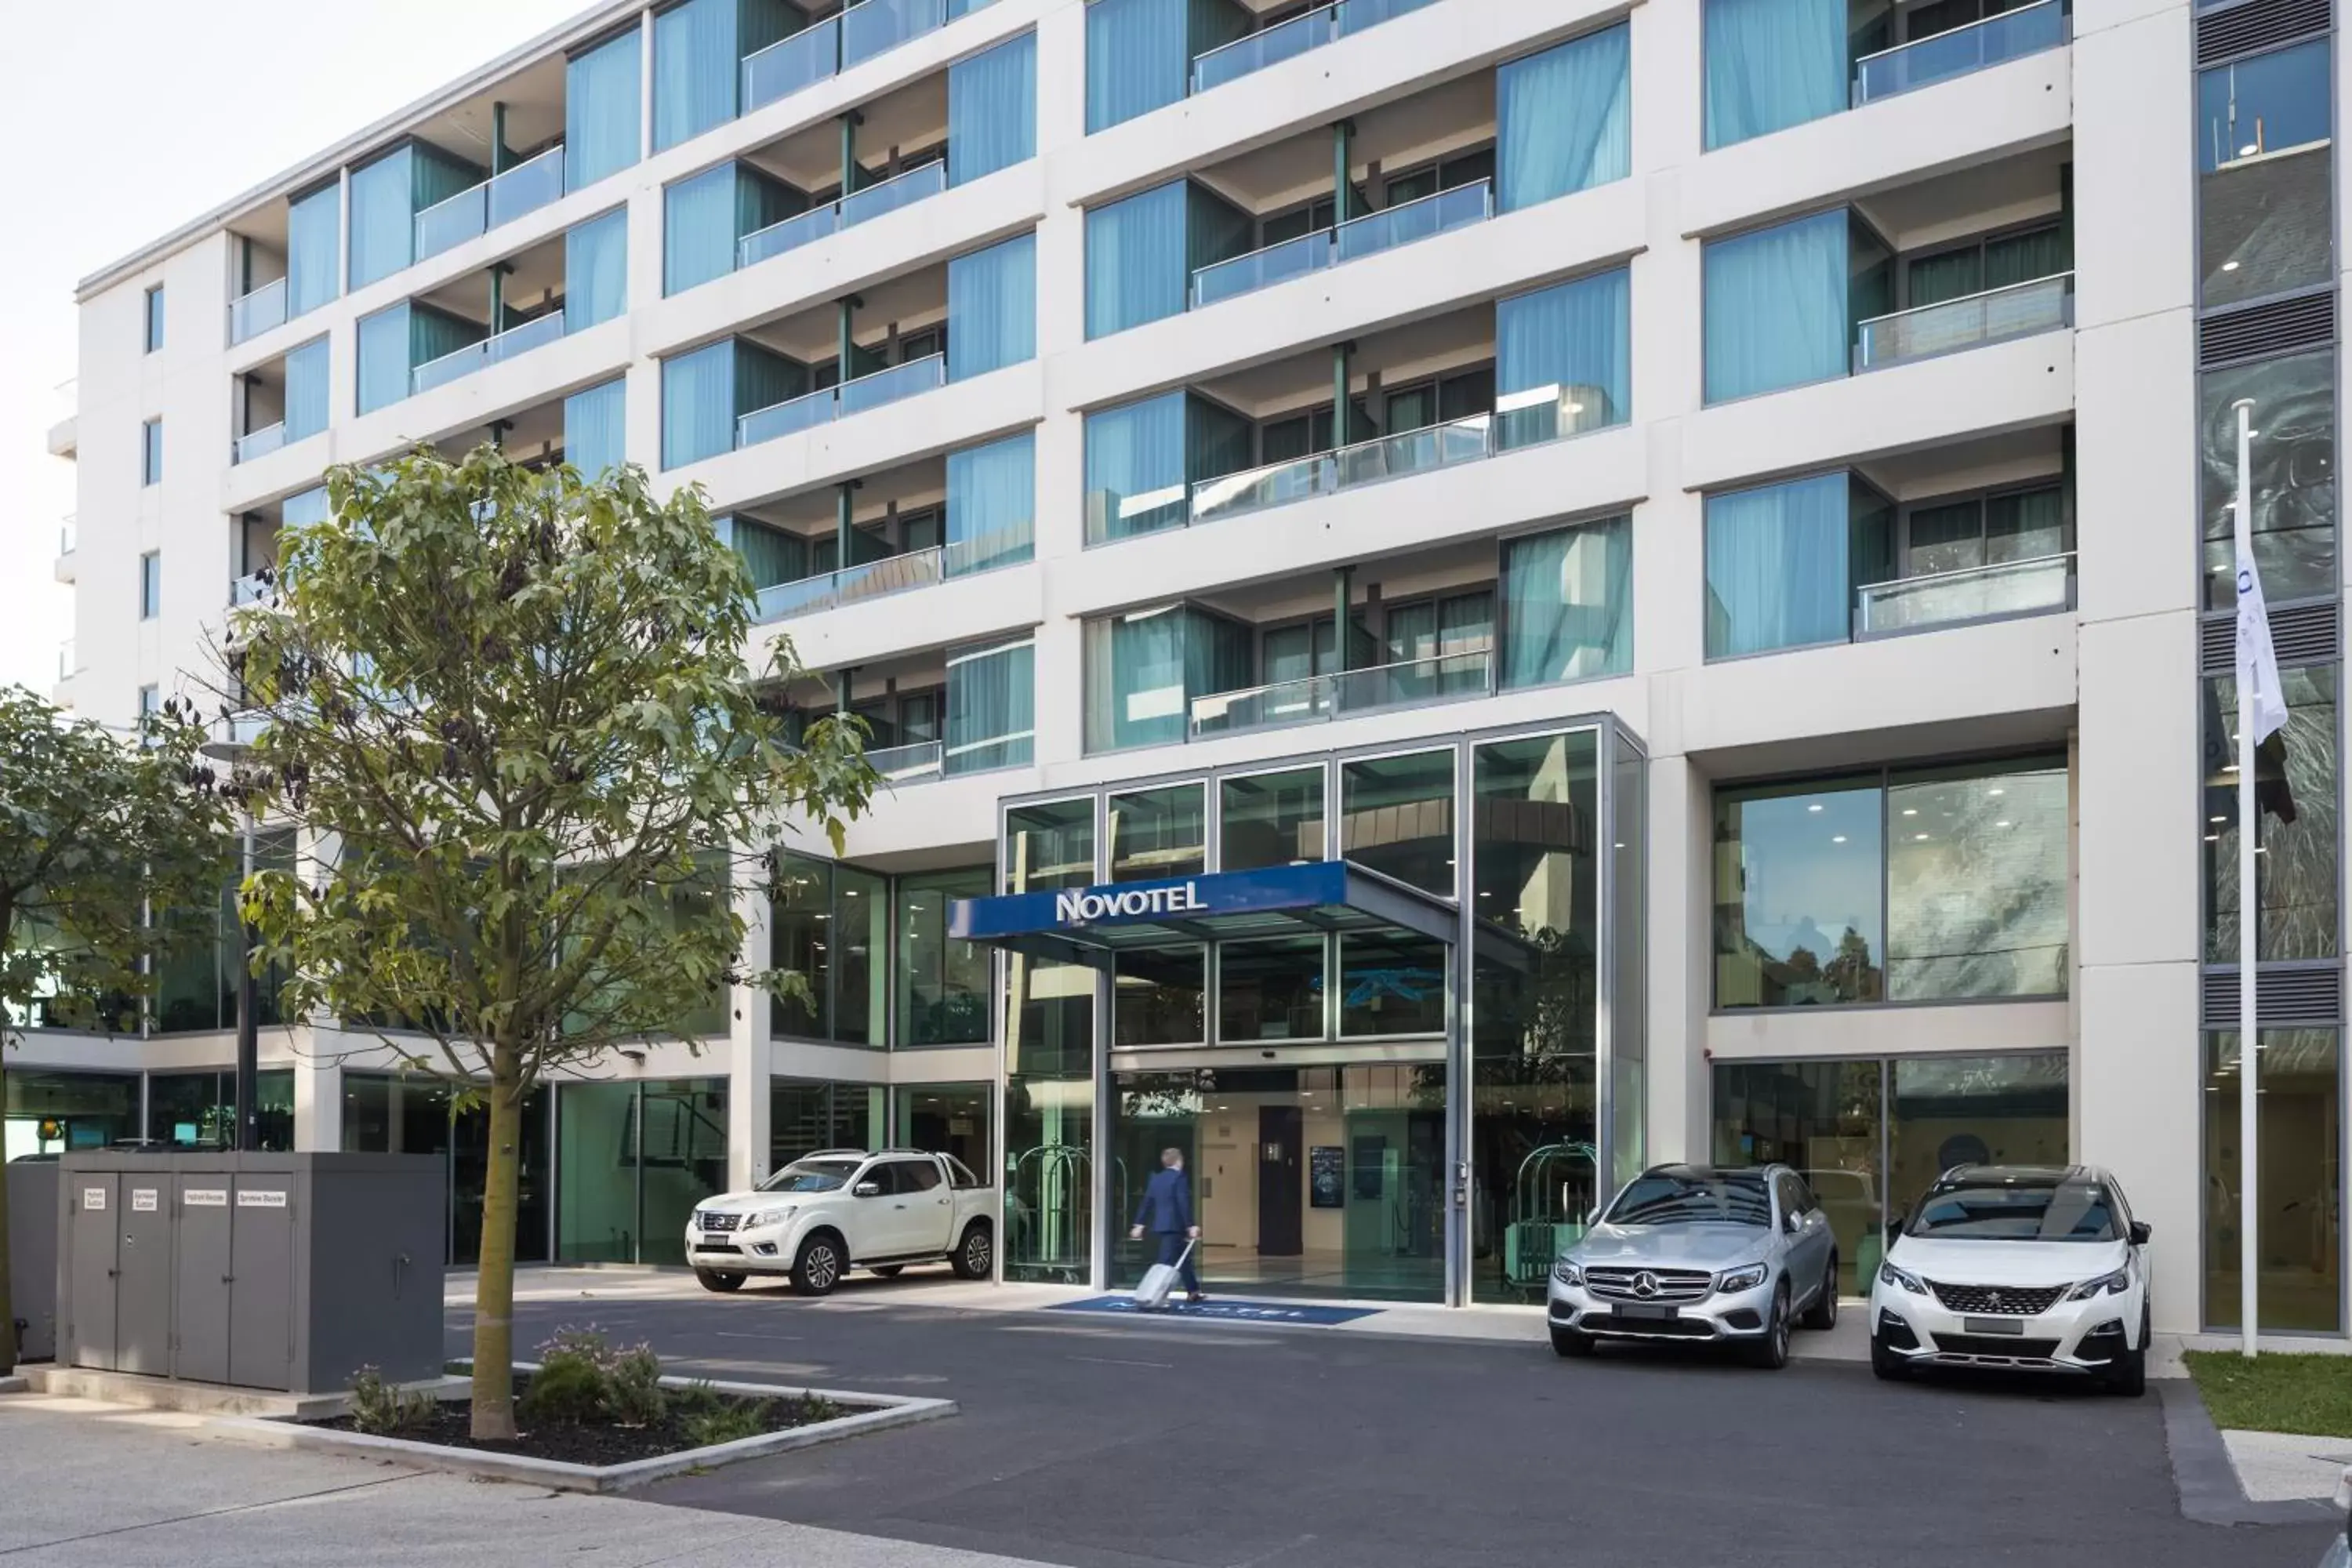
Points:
x=1160 y=1282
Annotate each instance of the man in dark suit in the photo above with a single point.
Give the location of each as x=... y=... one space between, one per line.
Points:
x=1167 y=1212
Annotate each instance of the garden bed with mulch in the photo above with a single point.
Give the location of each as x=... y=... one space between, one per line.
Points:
x=696 y=1419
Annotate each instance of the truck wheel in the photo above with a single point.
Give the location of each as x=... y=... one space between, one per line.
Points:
x=977 y=1254
x=711 y=1279
x=819 y=1266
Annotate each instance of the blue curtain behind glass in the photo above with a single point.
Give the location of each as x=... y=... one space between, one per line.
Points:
x=310 y=506
x=1138 y=58
x=432 y=333
x=698 y=229
x=1134 y=679
x=1771 y=64
x=596 y=271
x=1774 y=314
x=993 y=308
x=992 y=493
x=595 y=428
x=383 y=221
x=1576 y=337
x=696 y=62
x=993 y=109
x=306 y=390
x=600 y=112
x=698 y=405
x=313 y=226
x=383 y=358
x=1568 y=603
x=436 y=176
x=1777 y=566
x=1135 y=468
x=991 y=707
x=1564 y=120
x=1136 y=252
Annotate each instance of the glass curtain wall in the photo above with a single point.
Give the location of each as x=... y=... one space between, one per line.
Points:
x=47 y=1113
x=1396 y=816
x=993 y=308
x=600 y=110
x=993 y=109
x=830 y=925
x=2298 y=1232
x=414 y=1114
x=1049 y=1061
x=942 y=983
x=1563 y=360
x=2292 y=483
x=198 y=1109
x=196 y=982
x=1564 y=120
x=1568 y=603
x=631 y=1161
x=807 y=1116
x=2265 y=216
x=2296 y=821
x=1270 y=819
x=953 y=1119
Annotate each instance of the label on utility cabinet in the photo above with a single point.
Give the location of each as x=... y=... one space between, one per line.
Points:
x=248 y=1199
x=93 y=1198
x=142 y=1200
x=206 y=1197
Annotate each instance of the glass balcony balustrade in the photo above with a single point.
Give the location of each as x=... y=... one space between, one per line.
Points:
x=903 y=764
x=818 y=223
x=68 y=534
x=1367 y=462
x=257 y=442
x=2015 y=311
x=1350 y=241
x=1288 y=40
x=1315 y=698
x=252 y=314
x=873 y=201
x=1993 y=592
x=1924 y=62
x=857 y=35
x=790 y=234
x=68 y=660
x=796 y=414
x=895 y=574
x=464 y=362
x=502 y=199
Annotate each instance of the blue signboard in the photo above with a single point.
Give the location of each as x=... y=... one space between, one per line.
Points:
x=1316 y=884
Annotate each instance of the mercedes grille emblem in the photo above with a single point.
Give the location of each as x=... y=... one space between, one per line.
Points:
x=1645 y=1284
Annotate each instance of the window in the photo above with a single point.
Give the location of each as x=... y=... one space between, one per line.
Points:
x=993 y=109
x=1565 y=118
x=1158 y=997
x=1771 y=64
x=387 y=195
x=1050 y=847
x=306 y=390
x=943 y=984
x=150 y=585
x=993 y=308
x=149 y=704
x=2295 y=783
x=1271 y=989
x=2293 y=486
x=1780 y=304
x=1779 y=569
x=1270 y=819
x=705 y=393
x=596 y=271
x=1396 y=816
x=593 y=428
x=1142 y=459
x=313 y=250
x=1140 y=52
x=2298 y=1222
x=830 y=926
x=150 y=453
x=1994 y=262
x=991 y=505
x=1563 y=360
x=699 y=49
x=1144 y=670
x=705 y=217
x=1797 y=894
x=1568 y=603
x=1141 y=253
x=154 y=318
x=991 y=707
x=2264 y=211
x=600 y=110
x=805 y=1118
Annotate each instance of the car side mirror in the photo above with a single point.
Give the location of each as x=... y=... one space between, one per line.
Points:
x=1792 y=1222
x=2141 y=1233
x=867 y=1189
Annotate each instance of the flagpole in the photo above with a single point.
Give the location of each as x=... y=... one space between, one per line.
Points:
x=2249 y=911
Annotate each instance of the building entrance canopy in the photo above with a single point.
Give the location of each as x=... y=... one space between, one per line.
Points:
x=1089 y=925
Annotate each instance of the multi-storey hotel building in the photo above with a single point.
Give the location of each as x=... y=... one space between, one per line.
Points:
x=1625 y=581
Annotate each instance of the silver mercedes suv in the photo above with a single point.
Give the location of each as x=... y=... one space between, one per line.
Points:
x=1698 y=1254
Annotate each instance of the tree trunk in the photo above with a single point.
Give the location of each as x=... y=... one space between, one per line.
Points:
x=7 y=1304
x=494 y=1281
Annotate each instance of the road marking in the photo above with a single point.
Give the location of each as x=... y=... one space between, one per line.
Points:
x=737 y=1334
x=1114 y=1360
x=1133 y=1334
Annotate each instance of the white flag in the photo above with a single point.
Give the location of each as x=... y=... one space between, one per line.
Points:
x=2258 y=672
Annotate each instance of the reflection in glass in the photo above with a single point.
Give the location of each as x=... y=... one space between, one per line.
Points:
x=947 y=1119
x=942 y=983
x=2263 y=168
x=1271 y=989
x=1159 y=833
x=2295 y=823
x=2300 y=1200
x=1977 y=882
x=1776 y=565
x=2293 y=483
x=800 y=911
x=1049 y=846
x=1822 y=1118
x=1157 y=994
x=411 y=1114
x=1390 y=983
x=1797 y=914
x=596 y=1174
x=1397 y=817
x=1960 y=1111
x=1270 y=819
x=805 y=1117
x=682 y=1153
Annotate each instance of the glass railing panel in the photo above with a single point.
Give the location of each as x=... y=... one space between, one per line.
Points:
x=68 y=534
x=900 y=763
x=872 y=25
x=867 y=579
x=527 y=187
x=1414 y=451
x=1283 y=41
x=1974 y=593
x=1305 y=701
x=1277 y=484
x=532 y=334
x=1924 y=62
x=253 y=314
x=66 y=661
x=1262 y=268
x=998 y=751
x=784 y=419
x=251 y=588
x=900 y=380
x=449 y=367
x=1446 y=677
x=452 y=222
x=1401 y=225
x=788 y=65
x=260 y=443
x=1540 y=414
x=1355 y=15
x=912 y=186
x=1007 y=546
x=2042 y=305
x=790 y=234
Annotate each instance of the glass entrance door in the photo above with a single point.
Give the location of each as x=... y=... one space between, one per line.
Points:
x=1305 y=1181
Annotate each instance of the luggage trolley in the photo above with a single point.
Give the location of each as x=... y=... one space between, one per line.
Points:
x=1555 y=1188
x=1048 y=1205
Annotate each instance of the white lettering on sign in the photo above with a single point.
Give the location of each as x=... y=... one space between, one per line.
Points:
x=248 y=1199
x=93 y=1198
x=1075 y=907
x=206 y=1197
x=142 y=1200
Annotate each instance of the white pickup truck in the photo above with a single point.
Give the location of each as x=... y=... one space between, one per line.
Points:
x=840 y=1209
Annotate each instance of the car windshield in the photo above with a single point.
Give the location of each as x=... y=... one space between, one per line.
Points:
x=812 y=1177
x=1731 y=1197
x=2066 y=1211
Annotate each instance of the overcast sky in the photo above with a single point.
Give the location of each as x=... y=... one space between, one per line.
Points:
x=123 y=119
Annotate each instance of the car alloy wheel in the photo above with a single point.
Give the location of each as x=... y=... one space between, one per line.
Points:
x=820 y=1267
x=976 y=1259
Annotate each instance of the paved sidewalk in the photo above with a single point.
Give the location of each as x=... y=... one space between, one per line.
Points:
x=2278 y=1466
x=106 y=1487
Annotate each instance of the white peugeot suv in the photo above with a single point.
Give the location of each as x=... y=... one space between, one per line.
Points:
x=840 y=1209
x=2024 y=1267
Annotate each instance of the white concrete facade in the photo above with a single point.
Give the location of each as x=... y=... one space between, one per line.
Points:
x=2111 y=681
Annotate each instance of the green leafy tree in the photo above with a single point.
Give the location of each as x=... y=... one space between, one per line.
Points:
x=95 y=829
x=515 y=709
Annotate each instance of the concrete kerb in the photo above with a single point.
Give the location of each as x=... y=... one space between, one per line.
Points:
x=14 y=1386
x=2204 y=1474
x=209 y=1398
x=873 y=1413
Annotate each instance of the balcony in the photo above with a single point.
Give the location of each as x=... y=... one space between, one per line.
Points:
x=502 y=198
x=1424 y=218
x=250 y=315
x=908 y=764
x=866 y=202
x=2015 y=311
x=850 y=37
x=896 y=574
x=872 y=390
x=1367 y=462
x=1973 y=46
x=1319 y=698
x=1288 y=40
x=1992 y=592
x=68 y=660
x=488 y=352
x=69 y=535
x=257 y=442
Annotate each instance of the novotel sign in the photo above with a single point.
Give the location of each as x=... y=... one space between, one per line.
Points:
x=1208 y=895
x=1080 y=905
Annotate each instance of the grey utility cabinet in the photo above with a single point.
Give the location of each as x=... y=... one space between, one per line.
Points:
x=33 y=1257
x=279 y=1272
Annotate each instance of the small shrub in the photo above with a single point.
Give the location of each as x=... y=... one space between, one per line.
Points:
x=381 y=1409
x=582 y=1378
x=567 y=1392
x=816 y=1407
x=634 y=1393
x=696 y=1398
x=724 y=1422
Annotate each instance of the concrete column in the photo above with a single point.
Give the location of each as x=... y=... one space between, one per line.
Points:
x=645 y=88
x=318 y=1103
x=1680 y=978
x=749 y=1051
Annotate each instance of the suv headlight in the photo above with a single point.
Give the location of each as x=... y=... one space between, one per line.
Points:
x=1731 y=1281
x=1567 y=1273
x=767 y=1218
x=1901 y=1278
x=2114 y=1284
